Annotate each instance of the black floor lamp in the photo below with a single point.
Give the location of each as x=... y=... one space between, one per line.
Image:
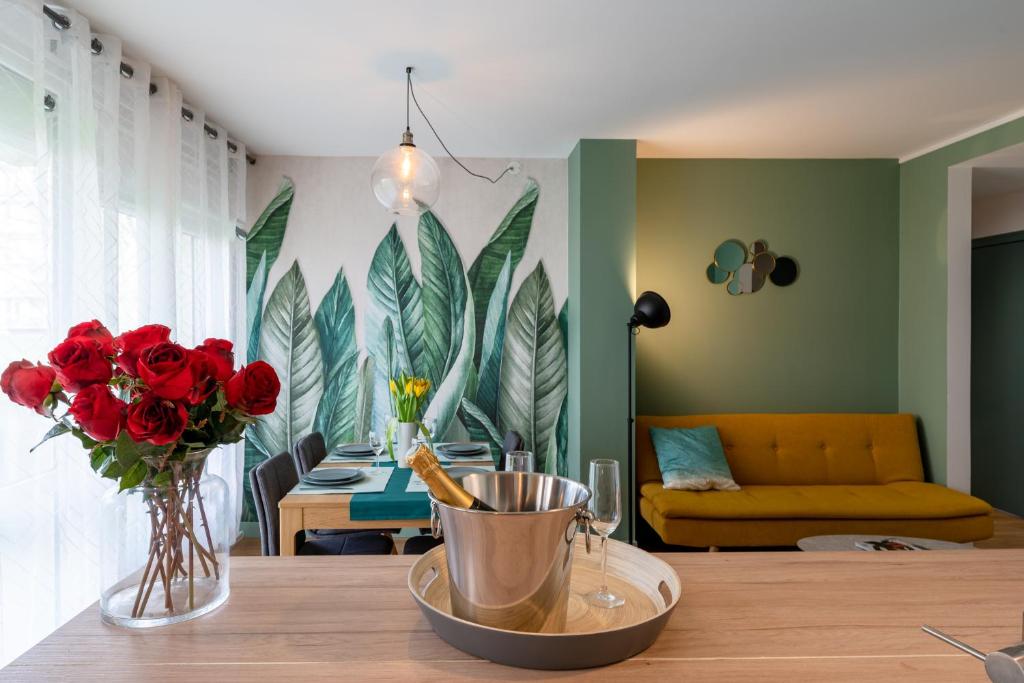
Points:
x=650 y=310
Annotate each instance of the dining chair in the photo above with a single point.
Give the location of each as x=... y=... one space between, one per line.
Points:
x=271 y=480
x=513 y=442
x=309 y=452
x=417 y=545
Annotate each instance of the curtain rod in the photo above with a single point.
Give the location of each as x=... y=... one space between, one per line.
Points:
x=61 y=22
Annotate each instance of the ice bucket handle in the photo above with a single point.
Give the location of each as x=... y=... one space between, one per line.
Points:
x=582 y=517
x=435 y=521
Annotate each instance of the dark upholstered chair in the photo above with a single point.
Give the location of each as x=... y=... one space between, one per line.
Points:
x=417 y=545
x=271 y=480
x=513 y=442
x=309 y=452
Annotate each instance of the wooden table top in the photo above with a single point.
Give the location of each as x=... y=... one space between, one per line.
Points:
x=850 y=616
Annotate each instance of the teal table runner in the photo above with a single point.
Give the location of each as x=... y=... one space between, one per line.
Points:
x=393 y=503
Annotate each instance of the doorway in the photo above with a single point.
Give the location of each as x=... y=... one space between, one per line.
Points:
x=997 y=370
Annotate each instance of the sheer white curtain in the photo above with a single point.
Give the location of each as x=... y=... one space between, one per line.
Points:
x=117 y=202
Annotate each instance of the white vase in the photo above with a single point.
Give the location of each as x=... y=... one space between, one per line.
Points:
x=406 y=434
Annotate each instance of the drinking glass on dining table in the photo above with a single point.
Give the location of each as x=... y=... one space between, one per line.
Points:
x=430 y=425
x=606 y=508
x=377 y=444
x=519 y=461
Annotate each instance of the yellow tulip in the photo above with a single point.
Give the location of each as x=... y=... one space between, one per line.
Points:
x=408 y=387
x=421 y=387
x=394 y=387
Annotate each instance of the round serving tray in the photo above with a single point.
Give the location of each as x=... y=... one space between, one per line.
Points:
x=594 y=636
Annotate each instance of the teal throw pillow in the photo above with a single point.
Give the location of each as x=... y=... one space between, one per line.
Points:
x=692 y=459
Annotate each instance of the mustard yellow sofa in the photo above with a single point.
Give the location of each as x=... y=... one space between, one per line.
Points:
x=805 y=475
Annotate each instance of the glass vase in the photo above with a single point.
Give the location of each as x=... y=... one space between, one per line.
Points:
x=165 y=550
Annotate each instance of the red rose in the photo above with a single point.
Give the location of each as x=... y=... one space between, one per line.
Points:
x=156 y=420
x=253 y=389
x=79 y=362
x=98 y=412
x=204 y=377
x=94 y=329
x=220 y=353
x=166 y=370
x=130 y=344
x=28 y=384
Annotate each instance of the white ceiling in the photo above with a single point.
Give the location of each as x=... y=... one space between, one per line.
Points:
x=527 y=78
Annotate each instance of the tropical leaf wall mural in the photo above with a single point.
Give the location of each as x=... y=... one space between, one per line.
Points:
x=496 y=356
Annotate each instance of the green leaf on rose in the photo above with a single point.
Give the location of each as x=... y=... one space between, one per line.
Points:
x=112 y=470
x=87 y=441
x=133 y=476
x=97 y=457
x=162 y=478
x=221 y=403
x=55 y=430
x=127 y=452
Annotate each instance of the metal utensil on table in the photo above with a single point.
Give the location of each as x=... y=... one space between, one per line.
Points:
x=1002 y=666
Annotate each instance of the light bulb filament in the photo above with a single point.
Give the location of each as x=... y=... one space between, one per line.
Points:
x=406 y=169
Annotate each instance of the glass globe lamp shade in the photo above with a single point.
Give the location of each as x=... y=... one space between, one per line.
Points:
x=406 y=180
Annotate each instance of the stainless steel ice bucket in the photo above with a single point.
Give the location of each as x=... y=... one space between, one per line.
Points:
x=510 y=569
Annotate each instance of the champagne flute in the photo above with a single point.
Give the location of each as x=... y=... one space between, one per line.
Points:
x=378 y=448
x=606 y=507
x=431 y=425
x=519 y=461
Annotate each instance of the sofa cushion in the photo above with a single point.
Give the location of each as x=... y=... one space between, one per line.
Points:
x=692 y=459
x=747 y=533
x=901 y=500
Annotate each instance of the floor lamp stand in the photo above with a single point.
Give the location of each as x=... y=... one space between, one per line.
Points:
x=630 y=467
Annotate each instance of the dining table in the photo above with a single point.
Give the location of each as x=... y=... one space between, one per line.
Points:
x=396 y=507
x=845 y=616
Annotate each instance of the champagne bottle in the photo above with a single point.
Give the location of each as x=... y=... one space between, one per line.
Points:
x=444 y=488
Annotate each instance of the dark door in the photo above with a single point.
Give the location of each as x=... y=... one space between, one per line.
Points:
x=997 y=371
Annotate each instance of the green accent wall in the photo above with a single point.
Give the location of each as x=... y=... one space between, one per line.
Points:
x=602 y=218
x=827 y=343
x=923 y=283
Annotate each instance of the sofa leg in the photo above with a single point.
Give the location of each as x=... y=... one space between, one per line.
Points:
x=712 y=548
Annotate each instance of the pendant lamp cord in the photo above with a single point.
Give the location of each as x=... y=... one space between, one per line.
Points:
x=409 y=91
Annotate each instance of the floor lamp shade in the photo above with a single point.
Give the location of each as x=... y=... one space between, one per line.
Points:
x=650 y=310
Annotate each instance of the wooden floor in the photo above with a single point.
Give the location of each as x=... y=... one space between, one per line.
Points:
x=1009 y=533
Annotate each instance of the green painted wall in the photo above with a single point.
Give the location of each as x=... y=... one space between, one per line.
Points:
x=923 y=282
x=602 y=217
x=826 y=343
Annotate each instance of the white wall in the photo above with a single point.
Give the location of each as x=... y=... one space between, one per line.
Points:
x=997 y=214
x=335 y=220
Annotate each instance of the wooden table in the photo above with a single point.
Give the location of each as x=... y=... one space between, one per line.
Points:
x=850 y=616
x=331 y=511
x=327 y=511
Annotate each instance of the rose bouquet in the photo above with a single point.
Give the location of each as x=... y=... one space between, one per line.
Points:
x=148 y=411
